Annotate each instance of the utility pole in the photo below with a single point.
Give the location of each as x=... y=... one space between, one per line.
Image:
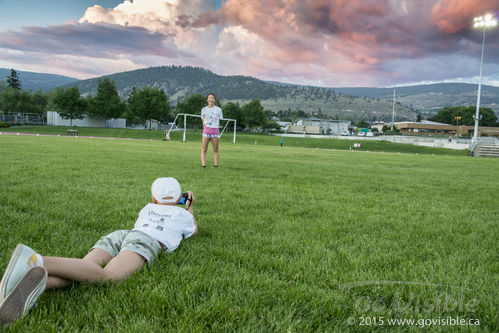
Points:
x=393 y=110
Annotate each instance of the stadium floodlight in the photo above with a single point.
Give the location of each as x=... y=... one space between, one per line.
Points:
x=167 y=132
x=482 y=22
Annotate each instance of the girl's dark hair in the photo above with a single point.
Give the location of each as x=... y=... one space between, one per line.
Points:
x=212 y=94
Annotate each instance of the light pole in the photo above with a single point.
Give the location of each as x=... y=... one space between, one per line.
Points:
x=457 y=126
x=480 y=22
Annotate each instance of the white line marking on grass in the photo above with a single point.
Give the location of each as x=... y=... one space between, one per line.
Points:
x=79 y=136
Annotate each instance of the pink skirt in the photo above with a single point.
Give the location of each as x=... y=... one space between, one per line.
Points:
x=209 y=132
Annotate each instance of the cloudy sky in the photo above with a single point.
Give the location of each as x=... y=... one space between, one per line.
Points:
x=334 y=43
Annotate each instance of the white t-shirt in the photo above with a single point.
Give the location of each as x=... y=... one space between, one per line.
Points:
x=211 y=116
x=166 y=224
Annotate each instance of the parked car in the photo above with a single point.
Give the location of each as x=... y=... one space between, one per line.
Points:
x=370 y=134
x=345 y=133
x=361 y=134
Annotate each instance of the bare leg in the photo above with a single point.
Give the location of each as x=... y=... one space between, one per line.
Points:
x=82 y=270
x=53 y=282
x=215 y=151
x=204 y=148
x=97 y=256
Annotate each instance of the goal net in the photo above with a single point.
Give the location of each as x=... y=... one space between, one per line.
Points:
x=186 y=115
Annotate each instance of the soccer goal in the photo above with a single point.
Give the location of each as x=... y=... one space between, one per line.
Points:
x=185 y=115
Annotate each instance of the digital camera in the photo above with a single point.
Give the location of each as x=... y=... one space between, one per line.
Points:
x=184 y=198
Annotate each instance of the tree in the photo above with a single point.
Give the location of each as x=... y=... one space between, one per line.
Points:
x=272 y=125
x=107 y=102
x=39 y=102
x=270 y=114
x=13 y=80
x=362 y=124
x=19 y=101
x=447 y=115
x=419 y=118
x=388 y=130
x=9 y=100
x=69 y=104
x=131 y=96
x=233 y=111
x=191 y=105
x=130 y=116
x=51 y=95
x=149 y=103
x=254 y=115
x=25 y=102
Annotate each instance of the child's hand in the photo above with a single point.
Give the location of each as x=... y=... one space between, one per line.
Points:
x=190 y=198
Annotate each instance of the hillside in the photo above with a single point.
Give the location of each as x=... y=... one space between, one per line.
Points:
x=37 y=81
x=179 y=81
x=428 y=99
x=345 y=103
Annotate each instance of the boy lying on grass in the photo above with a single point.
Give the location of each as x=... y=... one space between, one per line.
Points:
x=160 y=225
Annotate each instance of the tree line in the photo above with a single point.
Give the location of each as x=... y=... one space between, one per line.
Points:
x=152 y=103
x=465 y=115
x=142 y=105
x=14 y=99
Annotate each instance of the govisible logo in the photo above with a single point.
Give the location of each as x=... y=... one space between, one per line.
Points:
x=443 y=301
x=348 y=286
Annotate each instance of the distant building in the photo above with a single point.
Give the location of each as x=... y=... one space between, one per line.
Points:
x=320 y=126
x=284 y=125
x=54 y=119
x=433 y=128
x=379 y=126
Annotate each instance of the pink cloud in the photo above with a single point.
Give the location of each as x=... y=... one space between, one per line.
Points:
x=300 y=30
x=323 y=41
x=452 y=16
x=348 y=36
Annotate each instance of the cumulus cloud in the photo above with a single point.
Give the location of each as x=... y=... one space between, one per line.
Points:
x=169 y=17
x=452 y=16
x=347 y=37
x=133 y=34
x=326 y=42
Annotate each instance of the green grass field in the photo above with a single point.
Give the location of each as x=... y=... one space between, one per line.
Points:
x=242 y=137
x=291 y=239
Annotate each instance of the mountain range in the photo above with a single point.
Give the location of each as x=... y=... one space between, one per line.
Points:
x=341 y=103
x=37 y=81
x=428 y=99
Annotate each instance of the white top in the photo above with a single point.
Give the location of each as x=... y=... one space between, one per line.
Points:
x=211 y=116
x=167 y=224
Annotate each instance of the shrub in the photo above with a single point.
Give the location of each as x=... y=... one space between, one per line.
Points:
x=3 y=125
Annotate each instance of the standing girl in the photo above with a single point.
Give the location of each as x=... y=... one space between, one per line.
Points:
x=210 y=115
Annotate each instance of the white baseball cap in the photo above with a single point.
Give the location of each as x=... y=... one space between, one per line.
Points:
x=166 y=190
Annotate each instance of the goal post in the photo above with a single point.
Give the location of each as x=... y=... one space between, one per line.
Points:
x=185 y=115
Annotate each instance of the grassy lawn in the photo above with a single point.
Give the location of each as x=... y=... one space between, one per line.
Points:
x=291 y=239
x=245 y=138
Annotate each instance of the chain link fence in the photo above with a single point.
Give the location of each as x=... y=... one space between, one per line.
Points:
x=20 y=119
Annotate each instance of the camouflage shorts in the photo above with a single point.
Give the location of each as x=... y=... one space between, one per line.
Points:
x=129 y=240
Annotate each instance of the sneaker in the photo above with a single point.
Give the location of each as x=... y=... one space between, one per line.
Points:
x=24 y=295
x=20 y=262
